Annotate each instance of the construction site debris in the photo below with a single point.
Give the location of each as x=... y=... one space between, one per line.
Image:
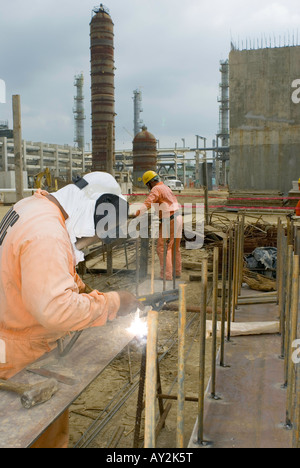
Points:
x=263 y=259
x=255 y=235
x=258 y=282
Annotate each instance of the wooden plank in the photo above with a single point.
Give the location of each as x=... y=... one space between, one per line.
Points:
x=94 y=351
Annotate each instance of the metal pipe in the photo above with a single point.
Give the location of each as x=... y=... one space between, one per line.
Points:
x=137 y=278
x=241 y=252
x=204 y=278
x=278 y=256
x=214 y=321
x=296 y=425
x=293 y=335
x=223 y=314
x=230 y=268
x=234 y=271
x=126 y=256
x=164 y=265
x=181 y=366
x=174 y=255
x=237 y=276
x=283 y=294
x=151 y=379
x=152 y=264
x=287 y=343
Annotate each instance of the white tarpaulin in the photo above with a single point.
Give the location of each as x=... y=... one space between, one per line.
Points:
x=248 y=328
x=2 y=92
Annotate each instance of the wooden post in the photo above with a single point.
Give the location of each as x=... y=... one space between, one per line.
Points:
x=214 y=321
x=181 y=366
x=109 y=260
x=202 y=340
x=205 y=183
x=18 y=146
x=151 y=379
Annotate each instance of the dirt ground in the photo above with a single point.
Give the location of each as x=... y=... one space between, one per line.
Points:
x=102 y=411
x=93 y=402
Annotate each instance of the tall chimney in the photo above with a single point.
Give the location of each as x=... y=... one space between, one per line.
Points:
x=102 y=90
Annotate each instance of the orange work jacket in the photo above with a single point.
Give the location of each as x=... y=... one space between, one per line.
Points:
x=40 y=298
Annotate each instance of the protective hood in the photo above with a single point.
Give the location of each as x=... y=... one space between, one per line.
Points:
x=79 y=202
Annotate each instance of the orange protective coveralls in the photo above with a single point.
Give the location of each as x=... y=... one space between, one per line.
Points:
x=163 y=196
x=298 y=209
x=40 y=298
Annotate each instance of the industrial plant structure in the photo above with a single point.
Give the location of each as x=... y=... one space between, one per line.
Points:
x=264 y=119
x=137 y=109
x=144 y=155
x=102 y=89
x=78 y=111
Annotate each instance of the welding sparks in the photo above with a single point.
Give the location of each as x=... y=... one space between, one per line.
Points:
x=138 y=327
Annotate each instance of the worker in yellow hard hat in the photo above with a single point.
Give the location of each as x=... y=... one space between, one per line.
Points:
x=168 y=210
x=150 y=176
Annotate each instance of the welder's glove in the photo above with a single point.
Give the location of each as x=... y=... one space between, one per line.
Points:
x=128 y=303
x=88 y=289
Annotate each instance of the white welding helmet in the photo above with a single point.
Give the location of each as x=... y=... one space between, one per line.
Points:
x=79 y=200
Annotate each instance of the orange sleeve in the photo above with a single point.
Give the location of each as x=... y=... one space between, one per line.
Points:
x=50 y=292
x=152 y=198
x=298 y=209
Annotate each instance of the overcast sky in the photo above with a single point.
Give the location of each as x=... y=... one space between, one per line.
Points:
x=169 y=49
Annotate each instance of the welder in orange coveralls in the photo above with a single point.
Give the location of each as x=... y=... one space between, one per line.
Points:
x=41 y=297
x=170 y=226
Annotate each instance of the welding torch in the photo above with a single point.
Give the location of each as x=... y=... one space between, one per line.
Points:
x=158 y=300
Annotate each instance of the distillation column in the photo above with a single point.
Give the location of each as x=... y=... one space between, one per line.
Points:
x=102 y=90
x=78 y=111
x=137 y=123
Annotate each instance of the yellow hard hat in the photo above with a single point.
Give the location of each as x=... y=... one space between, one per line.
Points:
x=148 y=176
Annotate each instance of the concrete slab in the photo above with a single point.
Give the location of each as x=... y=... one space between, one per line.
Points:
x=251 y=413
